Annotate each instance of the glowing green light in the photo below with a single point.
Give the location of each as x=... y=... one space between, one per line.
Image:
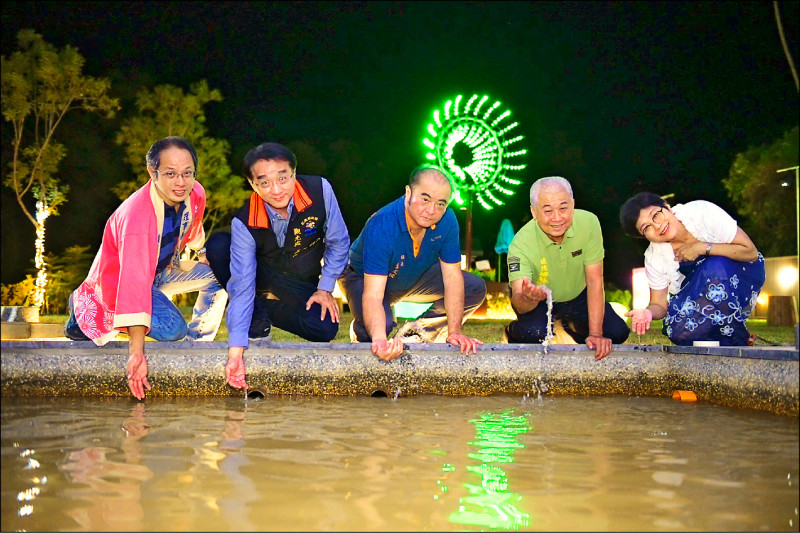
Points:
x=490 y=503
x=473 y=148
x=489 y=112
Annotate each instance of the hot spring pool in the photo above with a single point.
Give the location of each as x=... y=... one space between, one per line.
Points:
x=421 y=463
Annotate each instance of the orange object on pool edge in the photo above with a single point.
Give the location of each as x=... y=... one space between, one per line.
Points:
x=684 y=396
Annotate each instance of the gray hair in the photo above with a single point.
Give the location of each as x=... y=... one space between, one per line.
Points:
x=550 y=182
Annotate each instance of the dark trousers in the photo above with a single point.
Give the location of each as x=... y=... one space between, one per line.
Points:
x=531 y=327
x=428 y=288
x=280 y=299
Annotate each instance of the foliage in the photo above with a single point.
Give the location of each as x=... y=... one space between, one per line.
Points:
x=40 y=85
x=486 y=275
x=755 y=188
x=615 y=294
x=18 y=294
x=166 y=110
x=67 y=271
x=499 y=306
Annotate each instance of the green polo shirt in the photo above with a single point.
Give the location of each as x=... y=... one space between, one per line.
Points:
x=559 y=266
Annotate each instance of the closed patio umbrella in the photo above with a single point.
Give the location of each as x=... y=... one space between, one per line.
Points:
x=504 y=238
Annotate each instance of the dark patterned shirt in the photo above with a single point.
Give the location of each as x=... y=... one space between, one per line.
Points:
x=169 y=235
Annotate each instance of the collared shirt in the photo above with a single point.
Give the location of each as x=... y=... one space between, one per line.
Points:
x=385 y=247
x=169 y=235
x=560 y=266
x=242 y=284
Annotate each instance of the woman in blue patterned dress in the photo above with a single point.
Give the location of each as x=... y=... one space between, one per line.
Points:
x=704 y=272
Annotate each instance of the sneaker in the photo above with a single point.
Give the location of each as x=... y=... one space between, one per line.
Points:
x=353 y=337
x=411 y=333
x=260 y=328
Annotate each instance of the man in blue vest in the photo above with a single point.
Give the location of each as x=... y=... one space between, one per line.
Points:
x=410 y=250
x=271 y=262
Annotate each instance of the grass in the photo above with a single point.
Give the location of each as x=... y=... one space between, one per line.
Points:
x=490 y=331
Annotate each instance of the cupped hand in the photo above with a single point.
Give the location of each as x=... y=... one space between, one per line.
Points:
x=640 y=320
x=532 y=291
x=388 y=350
x=137 y=374
x=465 y=344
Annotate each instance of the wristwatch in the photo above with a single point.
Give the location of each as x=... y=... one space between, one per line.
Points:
x=202 y=251
x=708 y=248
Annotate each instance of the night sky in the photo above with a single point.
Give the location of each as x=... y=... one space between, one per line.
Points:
x=617 y=97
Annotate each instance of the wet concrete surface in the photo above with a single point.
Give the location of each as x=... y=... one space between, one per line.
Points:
x=763 y=378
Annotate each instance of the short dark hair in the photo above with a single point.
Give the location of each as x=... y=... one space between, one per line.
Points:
x=417 y=173
x=267 y=152
x=153 y=157
x=630 y=210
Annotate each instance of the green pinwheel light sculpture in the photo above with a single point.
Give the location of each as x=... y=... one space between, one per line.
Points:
x=478 y=145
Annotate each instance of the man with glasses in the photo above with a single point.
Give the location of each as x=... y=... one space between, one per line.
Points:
x=560 y=251
x=138 y=267
x=272 y=260
x=409 y=251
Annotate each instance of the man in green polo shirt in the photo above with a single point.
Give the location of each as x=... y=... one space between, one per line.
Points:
x=561 y=250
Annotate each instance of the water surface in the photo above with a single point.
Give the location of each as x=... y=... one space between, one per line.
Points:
x=415 y=463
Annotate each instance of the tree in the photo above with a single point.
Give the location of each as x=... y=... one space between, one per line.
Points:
x=761 y=197
x=166 y=110
x=41 y=84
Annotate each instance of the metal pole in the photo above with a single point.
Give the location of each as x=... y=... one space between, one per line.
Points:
x=468 y=236
x=797 y=220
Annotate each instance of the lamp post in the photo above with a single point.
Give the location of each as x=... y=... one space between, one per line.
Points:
x=797 y=229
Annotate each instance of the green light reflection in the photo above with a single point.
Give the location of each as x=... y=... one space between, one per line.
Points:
x=490 y=503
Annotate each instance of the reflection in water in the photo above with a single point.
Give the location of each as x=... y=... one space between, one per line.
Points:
x=27 y=496
x=360 y=464
x=112 y=488
x=490 y=503
x=235 y=506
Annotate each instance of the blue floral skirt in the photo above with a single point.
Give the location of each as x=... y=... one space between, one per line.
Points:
x=714 y=302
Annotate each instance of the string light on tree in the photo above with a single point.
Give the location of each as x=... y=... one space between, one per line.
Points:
x=42 y=212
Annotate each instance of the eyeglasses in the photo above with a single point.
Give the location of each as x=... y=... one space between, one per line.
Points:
x=658 y=218
x=188 y=175
x=266 y=184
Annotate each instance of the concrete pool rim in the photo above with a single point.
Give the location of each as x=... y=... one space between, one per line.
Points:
x=764 y=377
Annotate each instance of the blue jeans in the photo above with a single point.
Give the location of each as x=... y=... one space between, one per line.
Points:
x=166 y=321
